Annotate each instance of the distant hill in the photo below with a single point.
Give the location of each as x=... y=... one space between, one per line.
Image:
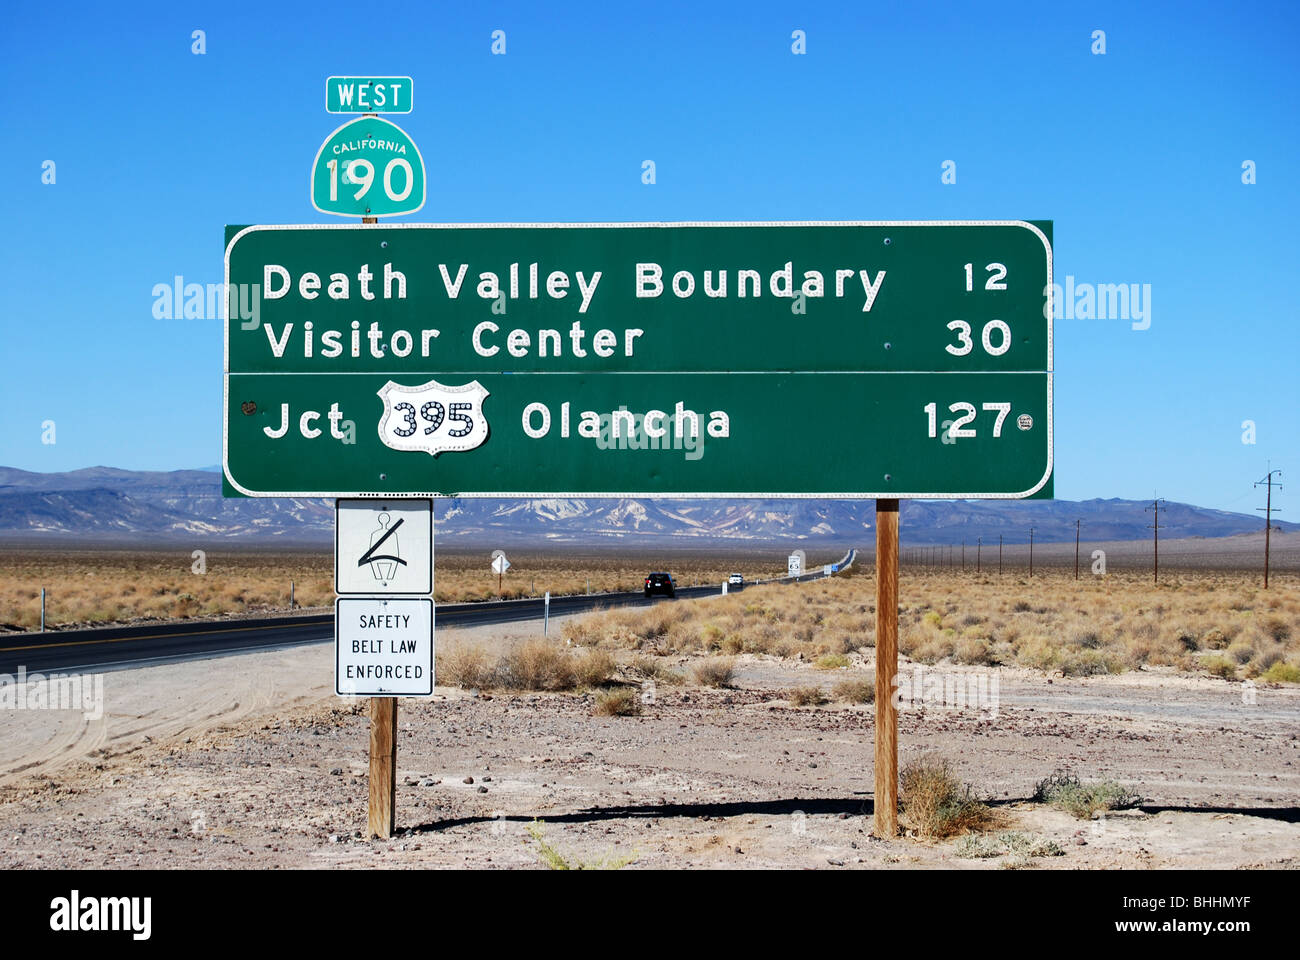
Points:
x=102 y=503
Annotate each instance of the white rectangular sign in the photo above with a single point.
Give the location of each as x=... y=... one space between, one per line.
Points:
x=383 y=547
x=383 y=646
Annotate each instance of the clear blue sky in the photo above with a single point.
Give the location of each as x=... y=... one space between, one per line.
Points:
x=1136 y=154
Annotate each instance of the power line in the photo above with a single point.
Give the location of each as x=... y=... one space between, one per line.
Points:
x=1268 y=510
x=1155 y=508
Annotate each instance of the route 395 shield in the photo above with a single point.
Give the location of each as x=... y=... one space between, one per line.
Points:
x=433 y=417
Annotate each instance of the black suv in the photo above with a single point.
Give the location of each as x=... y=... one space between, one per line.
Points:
x=660 y=583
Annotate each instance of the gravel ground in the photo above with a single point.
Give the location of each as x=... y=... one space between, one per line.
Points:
x=250 y=761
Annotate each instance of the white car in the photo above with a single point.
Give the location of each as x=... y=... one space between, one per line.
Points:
x=735 y=580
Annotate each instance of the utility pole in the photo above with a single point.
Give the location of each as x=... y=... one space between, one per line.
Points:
x=1268 y=511
x=1076 y=549
x=999 y=554
x=1031 y=551
x=979 y=545
x=1155 y=533
x=963 y=555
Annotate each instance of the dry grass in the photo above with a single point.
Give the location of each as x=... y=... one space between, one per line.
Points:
x=1219 y=623
x=717 y=672
x=1065 y=791
x=89 y=587
x=857 y=690
x=935 y=802
x=537 y=665
x=809 y=696
x=619 y=702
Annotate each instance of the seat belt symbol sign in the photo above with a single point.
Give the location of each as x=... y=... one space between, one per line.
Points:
x=384 y=565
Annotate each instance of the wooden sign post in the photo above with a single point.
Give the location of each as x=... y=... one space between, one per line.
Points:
x=383 y=766
x=382 y=774
x=886 y=796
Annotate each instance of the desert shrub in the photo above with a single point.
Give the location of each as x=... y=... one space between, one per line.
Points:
x=809 y=696
x=718 y=672
x=1214 y=639
x=932 y=650
x=538 y=665
x=584 y=632
x=1038 y=654
x=855 y=691
x=648 y=668
x=932 y=619
x=464 y=666
x=1277 y=628
x=1087 y=663
x=831 y=661
x=1267 y=657
x=593 y=668
x=619 y=702
x=1242 y=651
x=935 y=801
x=910 y=640
x=1282 y=673
x=977 y=846
x=973 y=650
x=1085 y=639
x=1065 y=791
x=1219 y=666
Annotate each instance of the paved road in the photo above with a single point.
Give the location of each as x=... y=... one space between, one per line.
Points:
x=70 y=650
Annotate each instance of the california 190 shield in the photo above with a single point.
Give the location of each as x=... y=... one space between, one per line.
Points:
x=433 y=417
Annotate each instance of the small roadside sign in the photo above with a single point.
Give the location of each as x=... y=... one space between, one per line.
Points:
x=369 y=167
x=794 y=566
x=500 y=564
x=383 y=547
x=368 y=94
x=383 y=646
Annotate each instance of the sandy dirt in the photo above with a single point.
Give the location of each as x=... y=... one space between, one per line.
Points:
x=251 y=761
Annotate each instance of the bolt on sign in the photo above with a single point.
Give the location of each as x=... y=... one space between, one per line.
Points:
x=383 y=646
x=369 y=167
x=383 y=547
x=855 y=360
x=369 y=94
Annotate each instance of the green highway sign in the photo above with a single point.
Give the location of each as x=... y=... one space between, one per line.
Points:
x=368 y=167
x=855 y=360
x=368 y=94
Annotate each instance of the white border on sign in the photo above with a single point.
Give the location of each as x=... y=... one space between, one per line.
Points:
x=402 y=502
x=311 y=179
x=432 y=655
x=343 y=113
x=1049 y=311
